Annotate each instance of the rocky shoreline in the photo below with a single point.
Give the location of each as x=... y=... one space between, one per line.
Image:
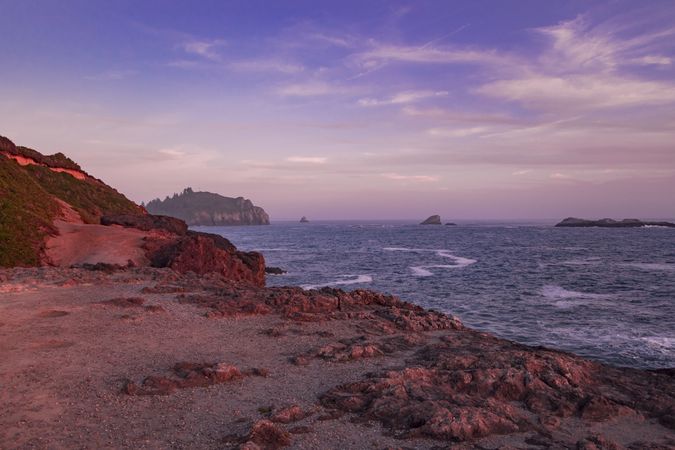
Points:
x=112 y=357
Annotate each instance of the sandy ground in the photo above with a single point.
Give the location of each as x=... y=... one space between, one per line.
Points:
x=65 y=357
x=79 y=243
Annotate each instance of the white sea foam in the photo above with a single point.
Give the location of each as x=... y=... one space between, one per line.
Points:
x=581 y=262
x=651 y=266
x=421 y=271
x=458 y=260
x=344 y=280
x=662 y=342
x=558 y=292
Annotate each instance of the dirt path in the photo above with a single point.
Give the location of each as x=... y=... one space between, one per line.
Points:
x=79 y=243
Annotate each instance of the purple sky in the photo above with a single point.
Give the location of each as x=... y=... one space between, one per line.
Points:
x=344 y=110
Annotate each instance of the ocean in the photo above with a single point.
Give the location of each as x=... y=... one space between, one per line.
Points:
x=607 y=294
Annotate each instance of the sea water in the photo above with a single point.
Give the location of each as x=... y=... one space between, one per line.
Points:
x=608 y=294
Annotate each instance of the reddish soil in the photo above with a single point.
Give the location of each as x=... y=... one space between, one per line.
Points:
x=87 y=362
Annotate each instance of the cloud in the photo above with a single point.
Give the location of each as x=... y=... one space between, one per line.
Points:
x=171 y=153
x=266 y=65
x=307 y=159
x=313 y=89
x=206 y=49
x=458 y=132
x=402 y=98
x=413 y=178
x=380 y=54
x=577 y=45
x=583 y=69
x=657 y=60
x=580 y=92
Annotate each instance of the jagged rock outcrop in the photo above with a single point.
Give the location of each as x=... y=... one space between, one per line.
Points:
x=432 y=220
x=611 y=223
x=207 y=208
x=204 y=253
x=171 y=244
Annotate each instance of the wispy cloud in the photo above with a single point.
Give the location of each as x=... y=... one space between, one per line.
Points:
x=580 y=92
x=207 y=49
x=266 y=65
x=307 y=159
x=458 y=132
x=402 y=98
x=414 y=178
x=313 y=89
x=379 y=55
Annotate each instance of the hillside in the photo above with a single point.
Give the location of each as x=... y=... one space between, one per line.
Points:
x=32 y=189
x=206 y=208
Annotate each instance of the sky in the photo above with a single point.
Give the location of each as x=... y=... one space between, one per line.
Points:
x=469 y=109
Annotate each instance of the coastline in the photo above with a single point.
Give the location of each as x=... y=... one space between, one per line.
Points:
x=363 y=369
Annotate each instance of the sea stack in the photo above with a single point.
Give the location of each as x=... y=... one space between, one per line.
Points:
x=432 y=220
x=304 y=219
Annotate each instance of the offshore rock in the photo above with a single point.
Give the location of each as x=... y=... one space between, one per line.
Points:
x=209 y=209
x=432 y=220
x=611 y=223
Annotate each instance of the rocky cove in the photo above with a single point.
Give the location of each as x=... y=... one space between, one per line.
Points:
x=110 y=357
x=137 y=332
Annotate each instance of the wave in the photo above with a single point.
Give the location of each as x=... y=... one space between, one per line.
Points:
x=651 y=266
x=356 y=279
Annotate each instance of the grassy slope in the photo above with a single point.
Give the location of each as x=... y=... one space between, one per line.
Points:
x=27 y=207
x=92 y=200
x=26 y=215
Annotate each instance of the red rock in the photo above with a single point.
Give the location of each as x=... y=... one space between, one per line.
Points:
x=128 y=302
x=448 y=392
x=290 y=414
x=185 y=375
x=269 y=436
x=203 y=253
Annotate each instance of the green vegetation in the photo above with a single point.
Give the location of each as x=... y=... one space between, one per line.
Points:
x=28 y=207
x=26 y=215
x=91 y=199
